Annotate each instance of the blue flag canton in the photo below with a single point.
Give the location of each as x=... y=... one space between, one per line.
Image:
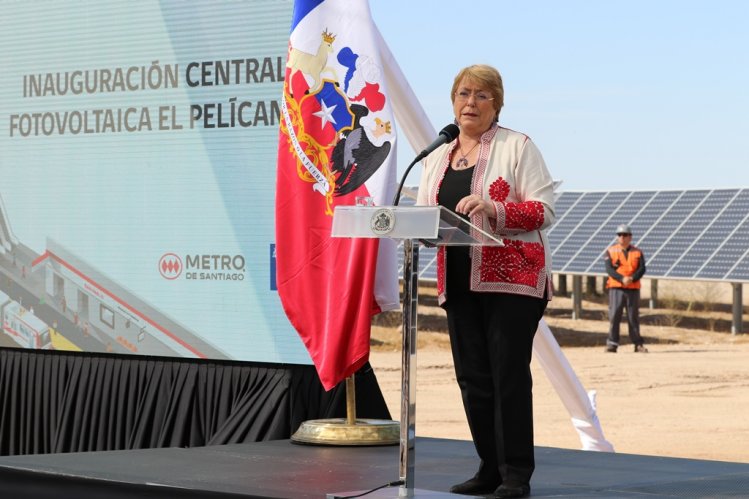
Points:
x=301 y=9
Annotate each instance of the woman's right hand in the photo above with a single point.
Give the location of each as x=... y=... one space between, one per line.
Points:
x=474 y=204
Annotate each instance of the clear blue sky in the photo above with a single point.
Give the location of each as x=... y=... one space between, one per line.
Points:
x=617 y=95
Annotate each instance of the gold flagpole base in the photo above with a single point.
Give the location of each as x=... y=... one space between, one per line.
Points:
x=340 y=432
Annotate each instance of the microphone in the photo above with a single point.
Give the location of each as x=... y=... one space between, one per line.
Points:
x=446 y=135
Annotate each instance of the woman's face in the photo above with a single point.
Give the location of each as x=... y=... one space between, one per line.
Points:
x=473 y=106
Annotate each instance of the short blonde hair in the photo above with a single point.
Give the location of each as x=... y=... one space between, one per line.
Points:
x=487 y=77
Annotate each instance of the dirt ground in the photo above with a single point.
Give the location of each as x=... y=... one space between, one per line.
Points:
x=688 y=397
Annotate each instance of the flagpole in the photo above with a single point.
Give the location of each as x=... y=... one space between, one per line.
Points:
x=350 y=400
x=348 y=431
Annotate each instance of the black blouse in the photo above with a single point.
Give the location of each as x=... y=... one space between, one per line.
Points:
x=455 y=186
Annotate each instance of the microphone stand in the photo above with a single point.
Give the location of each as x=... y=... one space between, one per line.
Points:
x=397 y=197
x=446 y=135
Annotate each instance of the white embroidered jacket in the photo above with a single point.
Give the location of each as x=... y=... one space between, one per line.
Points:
x=511 y=173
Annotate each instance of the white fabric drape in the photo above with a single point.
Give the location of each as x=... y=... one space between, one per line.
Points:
x=579 y=403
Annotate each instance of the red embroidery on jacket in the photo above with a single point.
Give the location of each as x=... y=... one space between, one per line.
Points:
x=440 y=270
x=516 y=262
x=499 y=190
x=527 y=216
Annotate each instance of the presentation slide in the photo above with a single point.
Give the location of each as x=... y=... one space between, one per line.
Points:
x=137 y=176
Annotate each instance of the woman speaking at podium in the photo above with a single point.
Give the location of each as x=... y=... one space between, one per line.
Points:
x=494 y=296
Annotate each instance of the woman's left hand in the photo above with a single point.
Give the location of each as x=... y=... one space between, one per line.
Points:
x=474 y=205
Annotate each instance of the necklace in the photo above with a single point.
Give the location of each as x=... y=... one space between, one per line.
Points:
x=463 y=161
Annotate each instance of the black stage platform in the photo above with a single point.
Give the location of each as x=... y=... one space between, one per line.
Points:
x=282 y=469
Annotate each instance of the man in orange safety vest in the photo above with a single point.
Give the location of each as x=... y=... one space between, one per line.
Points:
x=625 y=265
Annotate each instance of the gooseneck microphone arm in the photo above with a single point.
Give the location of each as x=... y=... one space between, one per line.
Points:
x=397 y=197
x=446 y=135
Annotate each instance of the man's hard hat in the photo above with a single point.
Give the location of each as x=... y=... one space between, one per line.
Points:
x=623 y=229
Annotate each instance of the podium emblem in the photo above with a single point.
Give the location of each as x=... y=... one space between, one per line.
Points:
x=382 y=221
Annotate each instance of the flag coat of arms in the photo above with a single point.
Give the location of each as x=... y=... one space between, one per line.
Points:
x=336 y=143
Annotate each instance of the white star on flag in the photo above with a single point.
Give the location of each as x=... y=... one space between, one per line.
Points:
x=325 y=114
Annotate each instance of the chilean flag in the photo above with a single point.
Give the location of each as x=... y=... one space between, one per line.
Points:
x=336 y=142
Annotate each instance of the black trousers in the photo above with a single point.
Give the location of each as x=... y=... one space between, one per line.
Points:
x=491 y=335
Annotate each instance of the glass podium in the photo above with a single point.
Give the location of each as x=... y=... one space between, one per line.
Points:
x=414 y=225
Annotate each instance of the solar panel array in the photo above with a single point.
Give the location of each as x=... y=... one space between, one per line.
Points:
x=684 y=234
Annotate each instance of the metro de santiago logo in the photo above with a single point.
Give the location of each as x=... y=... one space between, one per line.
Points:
x=170 y=266
x=202 y=267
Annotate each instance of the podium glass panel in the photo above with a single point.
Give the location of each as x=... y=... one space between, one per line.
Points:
x=454 y=230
